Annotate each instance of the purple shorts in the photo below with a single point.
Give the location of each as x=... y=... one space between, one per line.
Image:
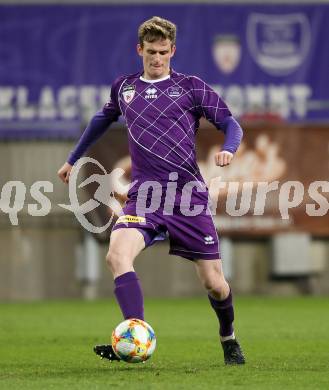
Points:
x=190 y=237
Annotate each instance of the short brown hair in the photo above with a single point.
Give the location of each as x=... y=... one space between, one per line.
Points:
x=157 y=28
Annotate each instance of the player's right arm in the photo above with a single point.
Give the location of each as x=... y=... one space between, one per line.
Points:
x=97 y=126
x=64 y=172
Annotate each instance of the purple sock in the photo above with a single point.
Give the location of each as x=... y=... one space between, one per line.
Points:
x=129 y=295
x=225 y=314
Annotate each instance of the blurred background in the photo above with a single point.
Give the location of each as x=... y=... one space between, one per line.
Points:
x=269 y=60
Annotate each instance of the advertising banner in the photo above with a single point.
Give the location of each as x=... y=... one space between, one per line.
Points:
x=57 y=62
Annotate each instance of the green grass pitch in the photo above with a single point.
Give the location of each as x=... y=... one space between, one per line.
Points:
x=48 y=345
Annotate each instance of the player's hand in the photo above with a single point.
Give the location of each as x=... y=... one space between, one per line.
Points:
x=223 y=158
x=64 y=172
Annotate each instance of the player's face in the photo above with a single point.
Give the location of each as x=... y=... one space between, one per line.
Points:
x=156 y=58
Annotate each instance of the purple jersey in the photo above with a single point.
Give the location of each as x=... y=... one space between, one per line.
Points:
x=162 y=117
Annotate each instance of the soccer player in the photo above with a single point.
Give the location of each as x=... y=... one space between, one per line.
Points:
x=162 y=109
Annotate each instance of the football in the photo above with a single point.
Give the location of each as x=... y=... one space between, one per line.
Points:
x=133 y=341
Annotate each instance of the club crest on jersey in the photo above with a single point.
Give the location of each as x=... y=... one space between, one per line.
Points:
x=128 y=93
x=151 y=93
x=175 y=91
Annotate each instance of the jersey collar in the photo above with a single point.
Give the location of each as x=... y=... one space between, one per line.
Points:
x=154 y=81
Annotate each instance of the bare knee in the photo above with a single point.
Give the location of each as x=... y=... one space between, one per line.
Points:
x=123 y=249
x=213 y=280
x=218 y=288
x=113 y=258
x=119 y=260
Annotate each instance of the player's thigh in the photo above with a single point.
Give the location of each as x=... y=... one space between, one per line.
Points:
x=125 y=245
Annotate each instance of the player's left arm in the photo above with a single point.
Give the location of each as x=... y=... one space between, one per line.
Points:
x=233 y=136
x=213 y=108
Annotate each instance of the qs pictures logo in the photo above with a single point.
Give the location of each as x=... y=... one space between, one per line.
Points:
x=108 y=185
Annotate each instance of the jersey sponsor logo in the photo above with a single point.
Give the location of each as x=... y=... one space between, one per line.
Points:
x=131 y=219
x=151 y=93
x=174 y=91
x=209 y=240
x=128 y=93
